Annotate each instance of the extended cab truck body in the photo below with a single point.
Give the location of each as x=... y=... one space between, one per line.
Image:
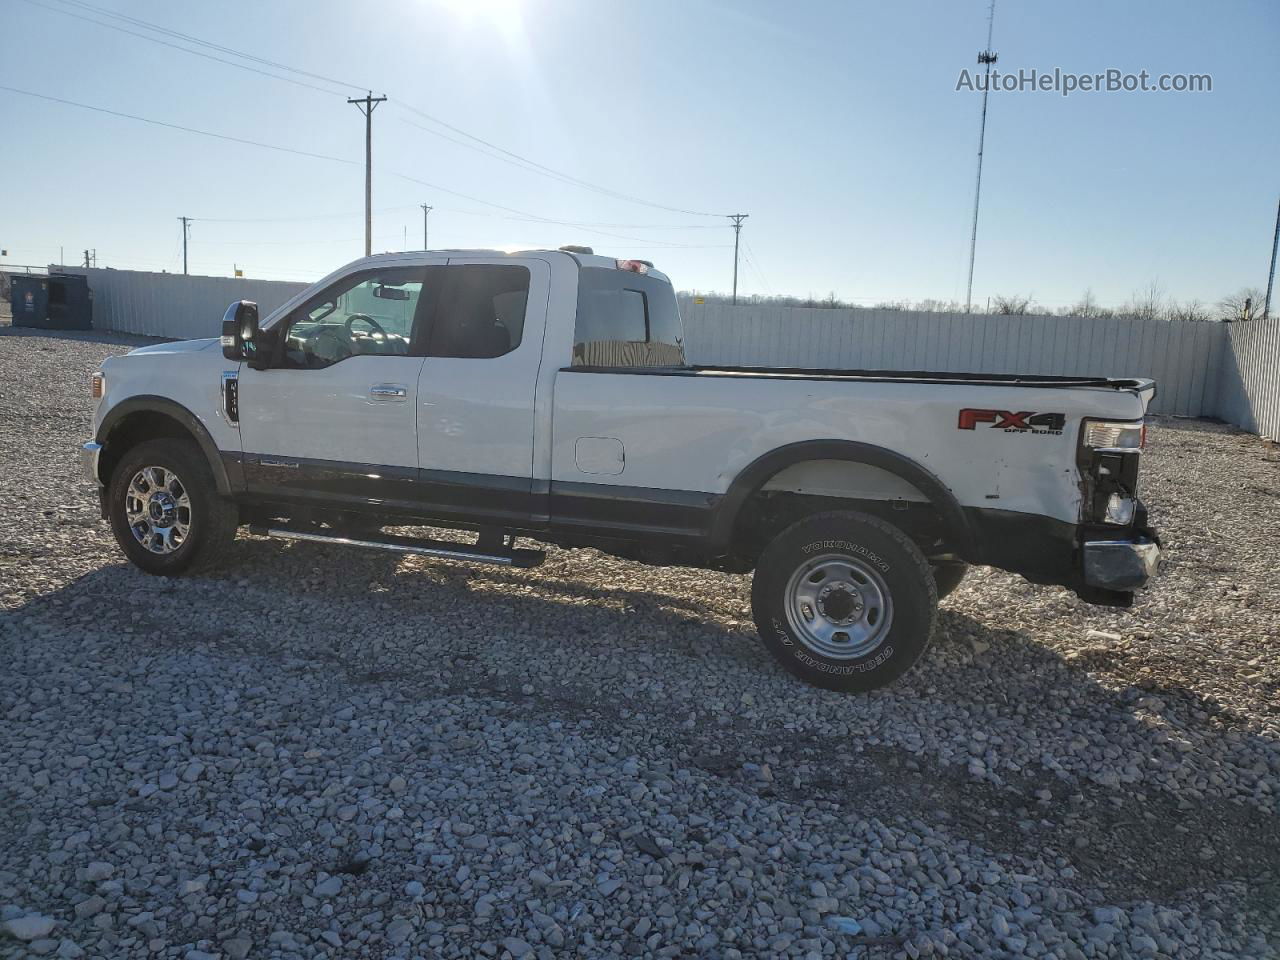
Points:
x=546 y=394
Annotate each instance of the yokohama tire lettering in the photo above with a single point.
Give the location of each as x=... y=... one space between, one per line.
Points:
x=854 y=548
x=845 y=668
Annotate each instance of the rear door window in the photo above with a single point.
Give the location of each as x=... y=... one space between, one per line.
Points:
x=626 y=319
x=482 y=312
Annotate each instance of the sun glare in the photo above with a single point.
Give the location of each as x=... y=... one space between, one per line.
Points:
x=504 y=13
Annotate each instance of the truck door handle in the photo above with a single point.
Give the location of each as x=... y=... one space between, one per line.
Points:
x=388 y=391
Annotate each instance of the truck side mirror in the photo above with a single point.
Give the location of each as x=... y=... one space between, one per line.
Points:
x=241 y=337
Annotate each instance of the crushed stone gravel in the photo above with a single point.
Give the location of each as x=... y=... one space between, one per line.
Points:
x=317 y=752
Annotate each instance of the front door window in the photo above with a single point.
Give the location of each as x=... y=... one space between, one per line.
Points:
x=369 y=314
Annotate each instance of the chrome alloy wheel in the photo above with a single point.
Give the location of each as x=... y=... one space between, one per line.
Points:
x=838 y=607
x=158 y=509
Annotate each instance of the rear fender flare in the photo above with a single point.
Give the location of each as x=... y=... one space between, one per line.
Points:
x=758 y=472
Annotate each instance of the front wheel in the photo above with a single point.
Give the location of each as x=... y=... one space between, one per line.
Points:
x=165 y=510
x=844 y=601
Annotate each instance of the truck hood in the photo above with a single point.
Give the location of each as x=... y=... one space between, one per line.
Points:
x=177 y=346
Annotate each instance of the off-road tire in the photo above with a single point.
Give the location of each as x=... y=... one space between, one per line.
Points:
x=213 y=518
x=881 y=550
x=947 y=576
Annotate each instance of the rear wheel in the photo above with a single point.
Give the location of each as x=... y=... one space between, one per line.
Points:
x=165 y=510
x=844 y=600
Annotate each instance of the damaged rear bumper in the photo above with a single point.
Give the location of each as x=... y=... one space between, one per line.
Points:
x=1123 y=565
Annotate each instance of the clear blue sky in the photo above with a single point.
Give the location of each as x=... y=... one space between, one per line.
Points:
x=835 y=125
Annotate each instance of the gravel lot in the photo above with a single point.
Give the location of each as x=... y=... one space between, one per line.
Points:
x=329 y=753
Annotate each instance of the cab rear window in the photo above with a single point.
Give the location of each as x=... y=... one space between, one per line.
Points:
x=626 y=319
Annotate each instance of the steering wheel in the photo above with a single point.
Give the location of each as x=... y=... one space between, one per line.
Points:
x=377 y=327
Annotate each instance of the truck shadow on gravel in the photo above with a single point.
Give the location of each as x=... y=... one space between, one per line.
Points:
x=540 y=646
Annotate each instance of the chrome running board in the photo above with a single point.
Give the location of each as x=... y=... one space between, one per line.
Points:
x=443 y=549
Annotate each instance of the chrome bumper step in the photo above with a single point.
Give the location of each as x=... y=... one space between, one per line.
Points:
x=443 y=549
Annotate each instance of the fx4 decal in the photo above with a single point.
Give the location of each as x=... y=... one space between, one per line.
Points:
x=1009 y=421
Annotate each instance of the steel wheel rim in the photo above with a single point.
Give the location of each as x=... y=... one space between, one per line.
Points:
x=157 y=508
x=838 y=607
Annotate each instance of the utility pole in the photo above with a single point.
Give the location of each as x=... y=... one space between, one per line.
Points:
x=86 y=259
x=1271 y=277
x=367 y=104
x=737 y=219
x=987 y=57
x=425 y=210
x=186 y=232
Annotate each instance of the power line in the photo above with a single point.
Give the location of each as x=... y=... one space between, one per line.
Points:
x=531 y=165
x=322 y=216
x=755 y=264
x=178 y=126
x=279 y=243
x=523 y=214
x=177 y=34
x=641 y=226
x=166 y=43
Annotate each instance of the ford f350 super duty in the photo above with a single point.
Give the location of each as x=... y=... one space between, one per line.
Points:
x=546 y=395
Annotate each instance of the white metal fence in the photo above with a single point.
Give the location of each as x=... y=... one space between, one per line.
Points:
x=173 y=304
x=1250 y=377
x=1184 y=358
x=1203 y=369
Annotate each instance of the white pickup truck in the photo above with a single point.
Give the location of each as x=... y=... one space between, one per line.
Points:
x=545 y=394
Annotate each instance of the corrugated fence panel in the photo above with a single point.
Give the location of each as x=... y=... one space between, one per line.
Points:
x=1181 y=357
x=1203 y=369
x=174 y=305
x=1250 y=372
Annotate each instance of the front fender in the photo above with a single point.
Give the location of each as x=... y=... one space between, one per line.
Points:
x=116 y=419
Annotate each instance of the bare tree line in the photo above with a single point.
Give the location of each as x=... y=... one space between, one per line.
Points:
x=1148 y=303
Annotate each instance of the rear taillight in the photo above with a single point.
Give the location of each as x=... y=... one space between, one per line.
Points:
x=1114 y=434
x=96 y=384
x=634 y=266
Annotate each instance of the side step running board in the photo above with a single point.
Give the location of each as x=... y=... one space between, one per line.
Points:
x=506 y=557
